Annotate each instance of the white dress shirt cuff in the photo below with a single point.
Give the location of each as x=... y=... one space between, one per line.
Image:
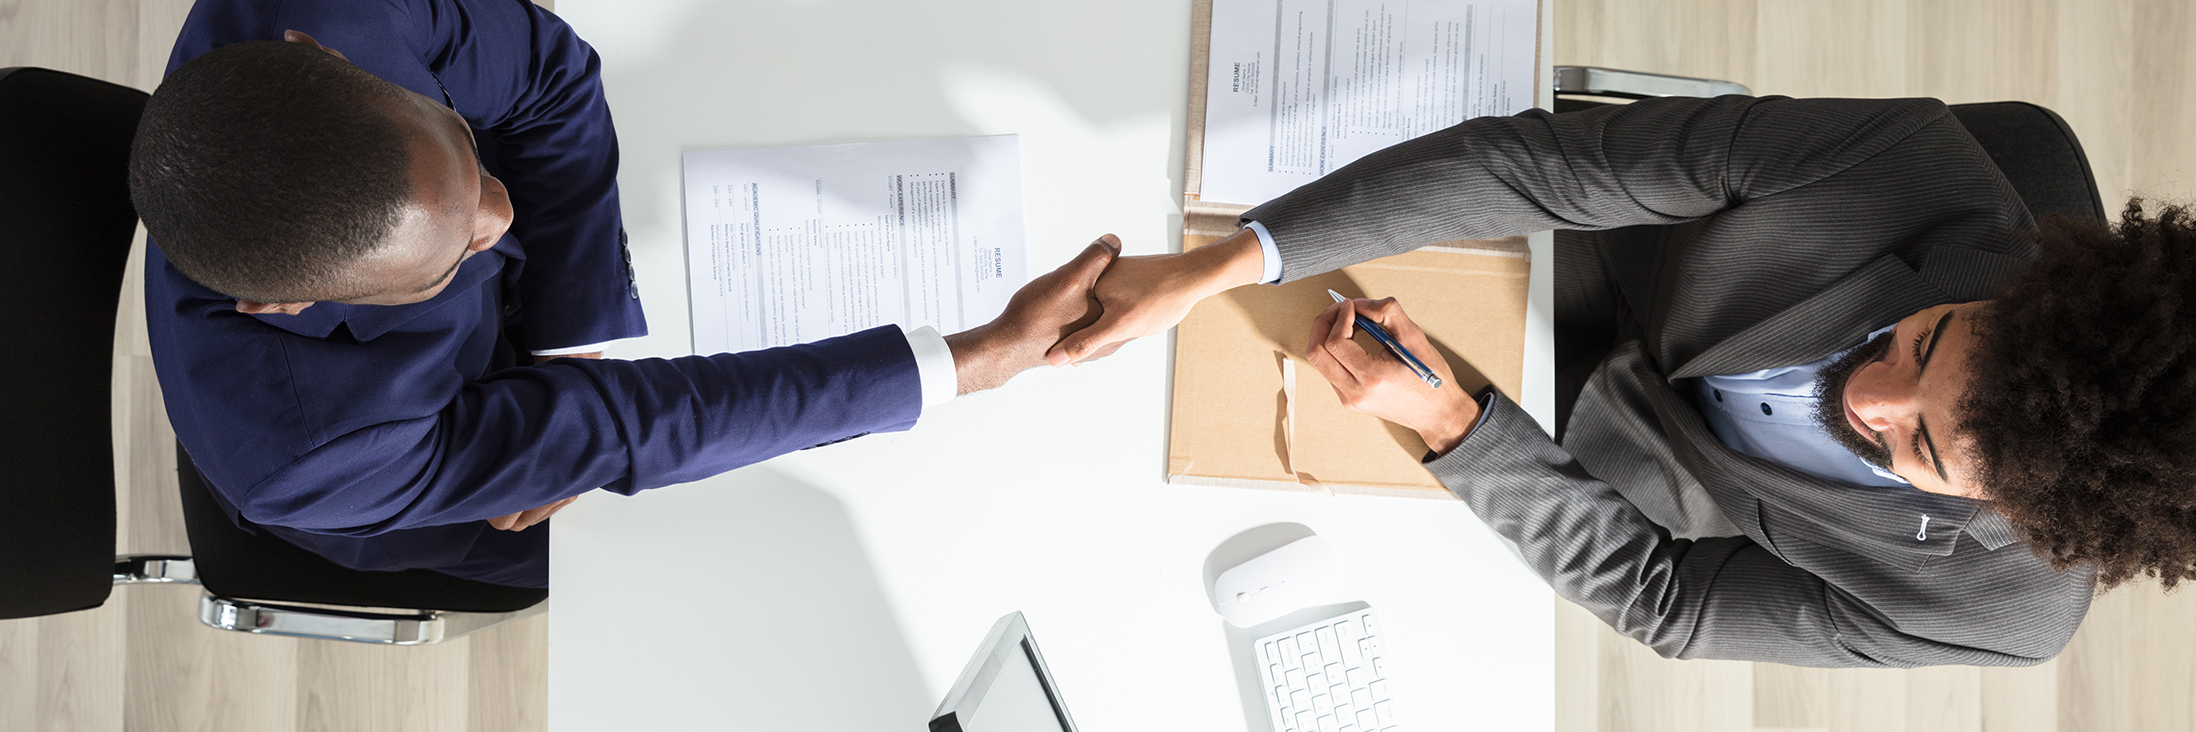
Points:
x=1266 y=247
x=933 y=365
x=569 y=350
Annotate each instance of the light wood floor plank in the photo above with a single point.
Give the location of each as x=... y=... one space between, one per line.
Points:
x=2094 y=671
x=1867 y=700
x=19 y=674
x=2164 y=162
x=2095 y=43
x=2020 y=699
x=510 y=684
x=355 y=687
x=2163 y=659
x=1831 y=48
x=1789 y=696
x=1944 y=699
x=1577 y=645
x=80 y=657
x=185 y=677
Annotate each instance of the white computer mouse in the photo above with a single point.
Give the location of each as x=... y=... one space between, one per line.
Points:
x=1300 y=574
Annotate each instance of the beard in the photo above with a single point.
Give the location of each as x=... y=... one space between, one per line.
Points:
x=1830 y=401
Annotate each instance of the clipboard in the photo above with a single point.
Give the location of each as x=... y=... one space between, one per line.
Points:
x=1248 y=411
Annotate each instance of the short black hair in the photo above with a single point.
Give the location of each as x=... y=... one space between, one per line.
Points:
x=264 y=169
x=2081 y=409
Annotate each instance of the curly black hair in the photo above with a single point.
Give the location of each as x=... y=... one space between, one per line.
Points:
x=2081 y=412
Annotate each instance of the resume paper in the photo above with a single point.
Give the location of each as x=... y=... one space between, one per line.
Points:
x=795 y=244
x=1299 y=88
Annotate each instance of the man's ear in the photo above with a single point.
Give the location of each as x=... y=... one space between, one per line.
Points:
x=299 y=37
x=254 y=307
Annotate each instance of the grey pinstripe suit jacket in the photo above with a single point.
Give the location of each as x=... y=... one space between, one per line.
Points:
x=1715 y=236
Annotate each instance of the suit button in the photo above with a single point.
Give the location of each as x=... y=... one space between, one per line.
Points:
x=1765 y=408
x=1718 y=393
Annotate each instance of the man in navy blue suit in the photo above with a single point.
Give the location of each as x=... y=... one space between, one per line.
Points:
x=382 y=278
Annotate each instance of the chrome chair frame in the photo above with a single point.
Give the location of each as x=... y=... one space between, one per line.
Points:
x=412 y=628
x=397 y=628
x=1601 y=82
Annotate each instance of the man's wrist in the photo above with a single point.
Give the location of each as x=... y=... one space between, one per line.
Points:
x=1229 y=263
x=1451 y=431
x=980 y=361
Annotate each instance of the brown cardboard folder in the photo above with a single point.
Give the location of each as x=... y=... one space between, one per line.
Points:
x=1238 y=420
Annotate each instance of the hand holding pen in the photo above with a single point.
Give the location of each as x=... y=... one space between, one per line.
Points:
x=1391 y=388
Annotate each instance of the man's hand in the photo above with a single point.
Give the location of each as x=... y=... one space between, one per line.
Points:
x=523 y=519
x=1141 y=296
x=597 y=355
x=1380 y=385
x=1048 y=308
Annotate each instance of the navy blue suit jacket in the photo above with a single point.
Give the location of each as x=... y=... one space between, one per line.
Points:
x=382 y=437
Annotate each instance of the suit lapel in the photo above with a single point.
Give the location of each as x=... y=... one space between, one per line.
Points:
x=1832 y=320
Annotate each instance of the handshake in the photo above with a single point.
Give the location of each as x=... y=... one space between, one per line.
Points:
x=1089 y=307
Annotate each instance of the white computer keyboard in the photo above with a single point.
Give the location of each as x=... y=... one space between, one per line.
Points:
x=1328 y=676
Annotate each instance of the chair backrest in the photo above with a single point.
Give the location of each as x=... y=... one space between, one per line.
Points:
x=65 y=229
x=2038 y=152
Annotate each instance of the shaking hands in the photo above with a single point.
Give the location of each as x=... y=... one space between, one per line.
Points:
x=1089 y=307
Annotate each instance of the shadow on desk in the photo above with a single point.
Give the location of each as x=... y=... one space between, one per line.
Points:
x=783 y=625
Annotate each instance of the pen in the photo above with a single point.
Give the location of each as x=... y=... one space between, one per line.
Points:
x=1380 y=334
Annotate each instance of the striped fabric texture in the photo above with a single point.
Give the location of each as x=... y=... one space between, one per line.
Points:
x=1715 y=236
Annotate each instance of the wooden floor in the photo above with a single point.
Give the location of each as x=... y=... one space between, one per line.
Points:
x=2118 y=70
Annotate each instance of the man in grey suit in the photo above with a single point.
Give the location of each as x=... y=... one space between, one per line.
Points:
x=1794 y=425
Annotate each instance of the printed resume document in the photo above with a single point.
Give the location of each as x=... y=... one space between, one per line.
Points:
x=795 y=244
x=1298 y=88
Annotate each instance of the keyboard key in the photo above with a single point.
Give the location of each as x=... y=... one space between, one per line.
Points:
x=1367 y=620
x=1379 y=689
x=1300 y=699
x=1340 y=692
x=1294 y=678
x=1323 y=707
x=1274 y=673
x=1366 y=719
x=1327 y=724
x=1290 y=656
x=1385 y=712
x=1305 y=643
x=1305 y=721
x=1316 y=682
x=1327 y=647
x=1358 y=677
x=1365 y=649
x=1380 y=667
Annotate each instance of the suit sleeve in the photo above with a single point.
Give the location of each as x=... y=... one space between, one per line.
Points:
x=526 y=437
x=1724 y=598
x=1659 y=161
x=533 y=91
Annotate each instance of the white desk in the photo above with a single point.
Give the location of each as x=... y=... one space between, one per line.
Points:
x=843 y=588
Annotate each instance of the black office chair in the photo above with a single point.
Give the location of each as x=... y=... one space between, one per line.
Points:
x=65 y=228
